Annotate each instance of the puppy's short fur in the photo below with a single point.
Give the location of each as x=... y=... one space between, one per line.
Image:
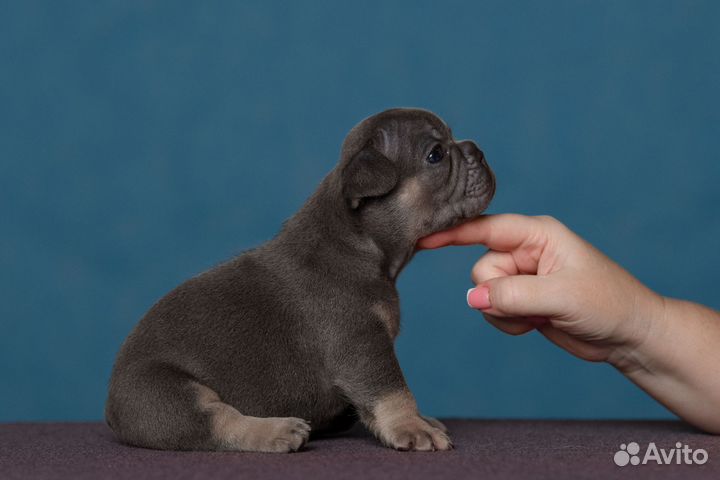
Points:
x=299 y=332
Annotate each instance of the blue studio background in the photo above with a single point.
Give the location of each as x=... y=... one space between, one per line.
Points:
x=143 y=142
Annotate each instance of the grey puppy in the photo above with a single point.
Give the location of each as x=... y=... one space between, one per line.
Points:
x=300 y=331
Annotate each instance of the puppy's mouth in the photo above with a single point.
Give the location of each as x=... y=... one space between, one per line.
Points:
x=480 y=180
x=479 y=187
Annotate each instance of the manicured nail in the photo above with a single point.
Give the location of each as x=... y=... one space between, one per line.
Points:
x=479 y=297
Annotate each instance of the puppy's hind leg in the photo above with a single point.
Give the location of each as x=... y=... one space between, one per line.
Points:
x=231 y=430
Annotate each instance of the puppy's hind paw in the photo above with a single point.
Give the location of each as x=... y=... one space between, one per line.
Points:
x=277 y=435
x=291 y=435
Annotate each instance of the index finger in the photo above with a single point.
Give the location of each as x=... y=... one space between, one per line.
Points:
x=504 y=232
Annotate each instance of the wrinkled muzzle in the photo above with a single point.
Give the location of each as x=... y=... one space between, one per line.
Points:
x=470 y=189
x=479 y=179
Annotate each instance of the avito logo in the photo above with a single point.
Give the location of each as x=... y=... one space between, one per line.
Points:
x=680 y=455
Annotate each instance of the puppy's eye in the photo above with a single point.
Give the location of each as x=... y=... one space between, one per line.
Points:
x=436 y=154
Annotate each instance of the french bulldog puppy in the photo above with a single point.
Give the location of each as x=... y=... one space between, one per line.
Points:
x=298 y=333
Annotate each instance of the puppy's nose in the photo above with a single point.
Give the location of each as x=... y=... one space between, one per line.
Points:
x=471 y=152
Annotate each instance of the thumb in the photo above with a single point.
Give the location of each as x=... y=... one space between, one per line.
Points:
x=517 y=296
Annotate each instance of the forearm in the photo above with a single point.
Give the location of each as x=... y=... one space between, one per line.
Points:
x=678 y=363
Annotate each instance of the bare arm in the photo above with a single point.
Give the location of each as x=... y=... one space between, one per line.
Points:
x=679 y=362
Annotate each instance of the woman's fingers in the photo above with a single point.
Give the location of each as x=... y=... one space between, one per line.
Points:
x=504 y=232
x=511 y=326
x=510 y=294
x=493 y=265
x=516 y=296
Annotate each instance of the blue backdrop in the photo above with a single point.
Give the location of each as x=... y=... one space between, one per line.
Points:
x=142 y=142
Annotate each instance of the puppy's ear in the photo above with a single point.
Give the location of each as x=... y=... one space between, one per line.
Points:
x=369 y=173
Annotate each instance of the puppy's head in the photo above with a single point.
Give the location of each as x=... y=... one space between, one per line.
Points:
x=404 y=176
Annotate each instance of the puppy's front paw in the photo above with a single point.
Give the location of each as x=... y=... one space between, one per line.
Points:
x=415 y=433
x=434 y=422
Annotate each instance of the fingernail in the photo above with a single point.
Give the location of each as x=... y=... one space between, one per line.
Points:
x=479 y=298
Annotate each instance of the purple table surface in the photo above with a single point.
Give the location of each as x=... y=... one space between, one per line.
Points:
x=512 y=449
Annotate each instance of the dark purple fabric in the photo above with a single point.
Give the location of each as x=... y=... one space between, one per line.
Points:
x=512 y=449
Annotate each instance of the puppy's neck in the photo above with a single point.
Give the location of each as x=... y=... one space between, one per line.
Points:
x=325 y=231
x=396 y=258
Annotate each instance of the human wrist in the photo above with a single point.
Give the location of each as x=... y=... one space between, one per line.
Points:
x=641 y=351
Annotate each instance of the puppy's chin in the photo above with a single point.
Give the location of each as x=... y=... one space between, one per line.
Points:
x=452 y=215
x=470 y=209
x=478 y=192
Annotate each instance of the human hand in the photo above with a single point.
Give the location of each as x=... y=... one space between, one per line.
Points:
x=540 y=275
